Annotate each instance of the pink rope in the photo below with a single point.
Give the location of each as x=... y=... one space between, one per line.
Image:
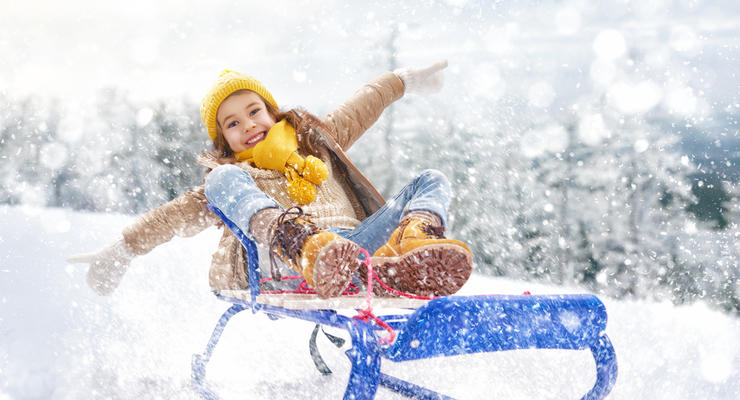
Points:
x=363 y=314
x=398 y=292
x=303 y=288
x=366 y=313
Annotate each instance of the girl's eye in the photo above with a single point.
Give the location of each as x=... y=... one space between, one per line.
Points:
x=233 y=124
x=254 y=112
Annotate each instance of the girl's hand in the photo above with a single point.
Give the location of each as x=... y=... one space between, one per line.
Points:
x=423 y=80
x=107 y=266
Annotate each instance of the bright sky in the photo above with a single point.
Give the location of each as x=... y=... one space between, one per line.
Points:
x=310 y=52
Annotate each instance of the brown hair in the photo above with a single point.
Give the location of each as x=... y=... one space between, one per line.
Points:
x=305 y=125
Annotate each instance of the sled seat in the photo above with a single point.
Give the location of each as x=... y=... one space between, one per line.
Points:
x=302 y=301
x=445 y=326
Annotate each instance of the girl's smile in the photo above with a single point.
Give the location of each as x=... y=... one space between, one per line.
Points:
x=253 y=140
x=244 y=120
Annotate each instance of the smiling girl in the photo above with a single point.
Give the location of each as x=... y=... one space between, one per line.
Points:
x=284 y=179
x=244 y=119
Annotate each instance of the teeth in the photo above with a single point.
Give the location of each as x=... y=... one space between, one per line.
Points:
x=256 y=139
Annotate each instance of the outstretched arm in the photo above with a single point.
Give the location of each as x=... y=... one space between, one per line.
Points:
x=427 y=80
x=183 y=216
x=351 y=119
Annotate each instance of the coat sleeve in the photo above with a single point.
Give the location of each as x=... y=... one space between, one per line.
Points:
x=184 y=216
x=351 y=119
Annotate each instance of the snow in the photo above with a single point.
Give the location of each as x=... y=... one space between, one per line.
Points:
x=610 y=44
x=541 y=94
x=634 y=98
x=685 y=40
x=61 y=341
x=599 y=95
x=592 y=130
x=681 y=100
x=53 y=155
x=551 y=139
x=641 y=145
x=144 y=116
x=602 y=71
x=567 y=21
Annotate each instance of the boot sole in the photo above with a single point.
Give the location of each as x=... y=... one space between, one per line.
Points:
x=434 y=270
x=334 y=267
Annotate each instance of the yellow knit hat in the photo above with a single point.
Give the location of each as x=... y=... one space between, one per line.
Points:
x=228 y=82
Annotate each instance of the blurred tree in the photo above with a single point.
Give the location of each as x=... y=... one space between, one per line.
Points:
x=711 y=199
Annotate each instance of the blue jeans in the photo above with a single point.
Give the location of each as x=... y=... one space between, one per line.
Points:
x=235 y=193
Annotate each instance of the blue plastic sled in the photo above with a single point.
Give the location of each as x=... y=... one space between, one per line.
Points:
x=446 y=326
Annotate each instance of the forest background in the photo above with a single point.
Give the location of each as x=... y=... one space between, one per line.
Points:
x=591 y=145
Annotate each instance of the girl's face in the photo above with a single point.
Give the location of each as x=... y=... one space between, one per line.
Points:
x=244 y=120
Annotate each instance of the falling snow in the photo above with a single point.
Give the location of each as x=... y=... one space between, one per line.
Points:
x=590 y=145
x=138 y=342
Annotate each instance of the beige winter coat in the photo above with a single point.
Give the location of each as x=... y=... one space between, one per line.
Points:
x=343 y=201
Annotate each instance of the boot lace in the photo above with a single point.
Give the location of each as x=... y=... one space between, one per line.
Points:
x=291 y=231
x=432 y=232
x=435 y=231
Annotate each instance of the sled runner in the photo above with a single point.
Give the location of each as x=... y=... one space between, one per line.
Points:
x=444 y=326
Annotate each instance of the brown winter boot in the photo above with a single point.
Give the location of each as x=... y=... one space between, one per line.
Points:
x=418 y=259
x=325 y=260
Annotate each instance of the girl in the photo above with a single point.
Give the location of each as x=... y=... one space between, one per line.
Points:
x=283 y=178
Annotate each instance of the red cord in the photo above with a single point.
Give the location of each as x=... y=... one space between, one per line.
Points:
x=364 y=314
x=397 y=292
x=303 y=288
x=367 y=313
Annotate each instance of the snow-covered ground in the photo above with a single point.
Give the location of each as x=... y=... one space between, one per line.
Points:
x=61 y=341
